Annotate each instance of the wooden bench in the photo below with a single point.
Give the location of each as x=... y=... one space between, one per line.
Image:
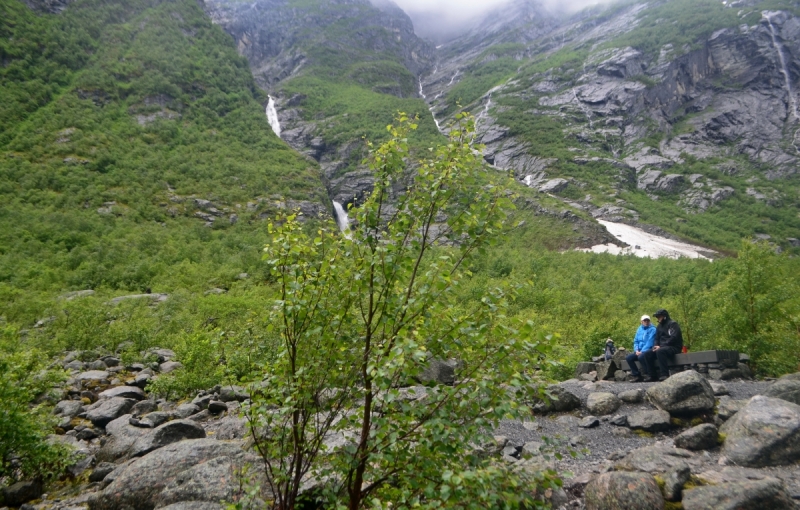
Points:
x=728 y=359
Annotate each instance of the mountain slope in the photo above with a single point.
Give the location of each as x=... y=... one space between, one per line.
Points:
x=673 y=113
x=135 y=150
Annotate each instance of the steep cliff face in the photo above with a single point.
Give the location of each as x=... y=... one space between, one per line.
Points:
x=613 y=110
x=339 y=70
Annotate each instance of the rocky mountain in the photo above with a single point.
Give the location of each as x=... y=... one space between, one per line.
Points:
x=675 y=114
x=684 y=108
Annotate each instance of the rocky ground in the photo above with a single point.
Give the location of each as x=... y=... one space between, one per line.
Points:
x=690 y=441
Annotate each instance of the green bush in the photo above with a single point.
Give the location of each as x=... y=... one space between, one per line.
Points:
x=25 y=452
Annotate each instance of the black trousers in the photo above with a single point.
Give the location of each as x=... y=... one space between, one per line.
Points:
x=663 y=354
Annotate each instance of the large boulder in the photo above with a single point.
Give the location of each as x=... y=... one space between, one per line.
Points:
x=765 y=432
x=437 y=371
x=620 y=490
x=168 y=433
x=121 y=436
x=766 y=494
x=728 y=407
x=684 y=393
x=22 y=492
x=656 y=459
x=785 y=389
x=601 y=403
x=233 y=393
x=68 y=408
x=650 y=421
x=606 y=370
x=559 y=400
x=193 y=470
x=105 y=411
x=124 y=392
x=584 y=368
x=701 y=437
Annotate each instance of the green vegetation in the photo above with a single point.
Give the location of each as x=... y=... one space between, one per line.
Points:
x=477 y=80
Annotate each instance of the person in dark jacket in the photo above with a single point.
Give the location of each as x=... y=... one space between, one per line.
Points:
x=668 y=342
x=610 y=349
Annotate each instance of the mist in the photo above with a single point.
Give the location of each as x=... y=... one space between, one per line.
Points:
x=440 y=20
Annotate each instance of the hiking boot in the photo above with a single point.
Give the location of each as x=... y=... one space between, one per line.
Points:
x=662 y=378
x=647 y=378
x=634 y=378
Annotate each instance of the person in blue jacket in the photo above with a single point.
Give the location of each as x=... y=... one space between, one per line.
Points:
x=642 y=344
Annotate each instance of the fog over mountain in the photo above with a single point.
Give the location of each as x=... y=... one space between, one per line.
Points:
x=440 y=20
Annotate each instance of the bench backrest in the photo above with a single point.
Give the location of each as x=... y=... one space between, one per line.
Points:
x=727 y=358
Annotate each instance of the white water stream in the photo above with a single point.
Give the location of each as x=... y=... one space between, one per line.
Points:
x=767 y=15
x=341 y=217
x=644 y=244
x=272 y=117
x=430 y=108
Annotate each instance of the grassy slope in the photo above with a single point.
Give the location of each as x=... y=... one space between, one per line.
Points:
x=72 y=87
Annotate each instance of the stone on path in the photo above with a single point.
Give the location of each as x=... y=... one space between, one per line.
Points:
x=601 y=403
x=560 y=401
x=765 y=432
x=620 y=490
x=650 y=421
x=718 y=388
x=589 y=422
x=728 y=407
x=684 y=393
x=656 y=459
x=701 y=437
x=632 y=396
x=766 y=494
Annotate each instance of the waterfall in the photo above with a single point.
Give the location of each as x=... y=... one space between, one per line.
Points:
x=767 y=15
x=341 y=217
x=272 y=117
x=430 y=107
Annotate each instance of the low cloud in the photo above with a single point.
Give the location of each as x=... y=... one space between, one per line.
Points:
x=442 y=19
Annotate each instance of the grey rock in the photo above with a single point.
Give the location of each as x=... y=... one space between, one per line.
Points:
x=701 y=437
x=765 y=432
x=86 y=434
x=584 y=368
x=785 y=389
x=74 y=365
x=191 y=470
x=168 y=433
x=554 y=186
x=532 y=449
x=621 y=490
x=186 y=410
x=620 y=420
x=683 y=393
x=102 y=470
x=231 y=428
x=727 y=407
x=22 y=492
x=437 y=371
x=589 y=422
x=144 y=407
x=203 y=415
x=601 y=403
x=650 y=421
x=169 y=366
x=632 y=396
x=202 y=401
x=83 y=463
x=216 y=407
x=97 y=365
x=68 y=408
x=92 y=375
x=606 y=370
x=718 y=388
x=121 y=437
x=162 y=355
x=111 y=361
x=791 y=377
x=142 y=380
x=233 y=393
x=655 y=459
x=559 y=400
x=124 y=392
x=193 y=505
x=105 y=411
x=158 y=298
x=766 y=494
x=674 y=481
x=156 y=418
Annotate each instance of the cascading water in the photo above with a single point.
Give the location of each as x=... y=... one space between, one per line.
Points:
x=272 y=117
x=767 y=15
x=341 y=217
x=430 y=108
